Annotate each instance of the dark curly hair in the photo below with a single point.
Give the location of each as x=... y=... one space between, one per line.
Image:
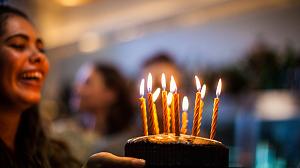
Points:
x=33 y=148
x=121 y=113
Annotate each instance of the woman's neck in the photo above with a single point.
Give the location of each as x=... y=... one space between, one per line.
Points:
x=100 y=120
x=9 y=122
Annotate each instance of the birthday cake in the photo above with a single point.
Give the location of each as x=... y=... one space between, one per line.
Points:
x=174 y=148
x=178 y=151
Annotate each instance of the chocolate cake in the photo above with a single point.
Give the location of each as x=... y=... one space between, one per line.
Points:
x=178 y=151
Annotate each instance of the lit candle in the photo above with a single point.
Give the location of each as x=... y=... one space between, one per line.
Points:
x=169 y=101
x=176 y=106
x=164 y=102
x=143 y=108
x=215 y=111
x=184 y=118
x=197 y=107
x=172 y=113
x=150 y=106
x=155 y=96
x=203 y=90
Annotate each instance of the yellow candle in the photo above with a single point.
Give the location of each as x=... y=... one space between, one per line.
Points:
x=172 y=115
x=184 y=118
x=177 y=114
x=164 y=103
x=143 y=108
x=150 y=106
x=156 y=125
x=197 y=107
x=203 y=90
x=169 y=102
x=176 y=121
x=215 y=111
x=172 y=108
x=169 y=120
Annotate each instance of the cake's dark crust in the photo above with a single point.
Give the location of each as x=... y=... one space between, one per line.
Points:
x=173 y=151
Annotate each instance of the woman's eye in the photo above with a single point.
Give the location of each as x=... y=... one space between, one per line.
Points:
x=19 y=47
x=40 y=46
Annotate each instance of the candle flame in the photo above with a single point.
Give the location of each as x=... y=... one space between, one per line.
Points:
x=156 y=94
x=173 y=86
x=185 y=104
x=203 y=91
x=198 y=84
x=163 y=81
x=219 y=87
x=169 y=98
x=142 y=87
x=149 y=82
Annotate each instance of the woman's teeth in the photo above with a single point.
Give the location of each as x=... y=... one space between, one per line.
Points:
x=32 y=75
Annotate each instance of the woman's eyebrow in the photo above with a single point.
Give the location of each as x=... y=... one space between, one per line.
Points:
x=23 y=36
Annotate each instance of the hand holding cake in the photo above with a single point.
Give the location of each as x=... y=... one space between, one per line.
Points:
x=108 y=160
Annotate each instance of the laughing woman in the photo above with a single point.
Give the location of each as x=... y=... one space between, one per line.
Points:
x=23 y=68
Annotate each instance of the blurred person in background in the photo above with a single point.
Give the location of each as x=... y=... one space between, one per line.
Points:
x=23 y=69
x=105 y=113
x=163 y=62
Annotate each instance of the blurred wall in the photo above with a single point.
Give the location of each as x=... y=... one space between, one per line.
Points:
x=216 y=43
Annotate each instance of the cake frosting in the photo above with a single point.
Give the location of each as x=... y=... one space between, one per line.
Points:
x=178 y=151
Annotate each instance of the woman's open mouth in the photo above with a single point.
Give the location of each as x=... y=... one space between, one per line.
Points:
x=33 y=78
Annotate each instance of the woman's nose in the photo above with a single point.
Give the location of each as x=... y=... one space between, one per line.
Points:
x=36 y=57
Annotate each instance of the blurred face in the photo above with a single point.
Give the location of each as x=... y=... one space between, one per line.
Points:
x=93 y=92
x=157 y=69
x=23 y=64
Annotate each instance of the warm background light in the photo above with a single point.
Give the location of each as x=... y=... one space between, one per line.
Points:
x=73 y=3
x=276 y=105
x=91 y=42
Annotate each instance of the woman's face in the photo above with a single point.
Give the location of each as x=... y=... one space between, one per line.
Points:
x=93 y=92
x=23 y=64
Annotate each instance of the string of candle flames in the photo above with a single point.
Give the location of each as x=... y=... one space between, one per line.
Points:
x=171 y=108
